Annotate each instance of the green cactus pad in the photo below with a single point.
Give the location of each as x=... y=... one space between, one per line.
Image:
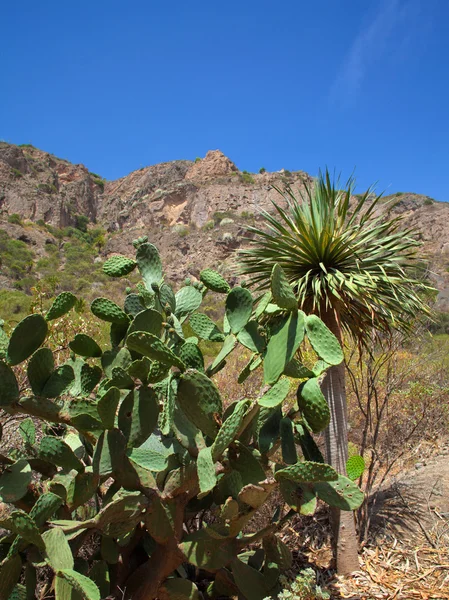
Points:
x=297 y=370
x=59 y=382
x=15 y=480
x=289 y=454
x=323 y=340
x=26 y=338
x=309 y=448
x=205 y=328
x=248 y=465
x=187 y=434
x=319 y=367
x=239 y=306
x=251 y=583
x=355 y=466
x=107 y=407
x=44 y=508
x=268 y=424
x=19 y=522
x=206 y=470
x=133 y=304
x=109 y=311
x=180 y=589
x=109 y=453
x=200 y=401
x=203 y=551
x=192 y=356
x=119 y=266
x=149 y=263
x=81 y=584
x=284 y=342
x=118 y=357
x=251 y=338
x=151 y=346
x=282 y=292
x=117 y=334
x=138 y=415
x=298 y=496
x=154 y=459
x=9 y=388
x=84 y=345
x=214 y=281
x=307 y=472
x=27 y=431
x=40 y=366
x=81 y=489
x=4 y=341
x=227 y=348
x=188 y=299
x=313 y=404
x=57 y=550
x=229 y=429
x=57 y=452
x=275 y=395
x=149 y=320
x=62 y=304
x=167 y=296
x=343 y=493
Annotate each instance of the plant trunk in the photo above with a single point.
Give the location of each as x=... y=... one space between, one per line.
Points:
x=336 y=439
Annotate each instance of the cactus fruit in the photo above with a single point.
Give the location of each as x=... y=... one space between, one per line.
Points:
x=323 y=340
x=106 y=310
x=275 y=395
x=283 y=344
x=205 y=328
x=9 y=388
x=342 y=493
x=133 y=304
x=282 y=292
x=188 y=299
x=149 y=264
x=26 y=338
x=313 y=405
x=200 y=401
x=15 y=480
x=355 y=466
x=151 y=346
x=62 y=304
x=214 y=281
x=307 y=472
x=84 y=345
x=239 y=306
x=119 y=266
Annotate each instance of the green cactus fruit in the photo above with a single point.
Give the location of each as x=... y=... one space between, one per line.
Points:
x=138 y=415
x=133 y=304
x=289 y=454
x=59 y=453
x=206 y=471
x=297 y=370
x=203 y=550
x=205 y=328
x=107 y=407
x=192 y=356
x=167 y=297
x=239 y=306
x=149 y=264
x=323 y=340
x=309 y=448
x=188 y=299
x=282 y=292
x=218 y=362
x=59 y=382
x=355 y=466
x=26 y=338
x=57 y=550
x=149 y=320
x=298 y=496
x=307 y=472
x=229 y=429
x=19 y=522
x=180 y=589
x=151 y=346
x=118 y=357
x=285 y=339
x=117 y=334
x=251 y=337
x=119 y=266
x=313 y=404
x=15 y=480
x=80 y=584
x=342 y=493
x=109 y=311
x=268 y=424
x=40 y=366
x=27 y=431
x=200 y=401
x=62 y=304
x=214 y=281
x=109 y=453
x=84 y=345
x=276 y=394
x=9 y=388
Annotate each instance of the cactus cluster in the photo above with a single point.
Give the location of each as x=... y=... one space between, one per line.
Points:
x=140 y=456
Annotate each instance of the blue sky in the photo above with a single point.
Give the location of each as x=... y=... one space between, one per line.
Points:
x=348 y=84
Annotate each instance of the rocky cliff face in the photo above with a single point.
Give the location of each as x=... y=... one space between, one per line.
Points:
x=196 y=212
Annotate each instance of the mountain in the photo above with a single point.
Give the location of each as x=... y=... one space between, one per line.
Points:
x=196 y=212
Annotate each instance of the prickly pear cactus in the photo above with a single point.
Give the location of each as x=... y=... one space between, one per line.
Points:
x=124 y=446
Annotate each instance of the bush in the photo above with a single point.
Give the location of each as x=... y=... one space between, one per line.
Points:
x=15 y=219
x=139 y=462
x=16 y=173
x=81 y=222
x=428 y=202
x=16 y=259
x=197 y=159
x=247 y=177
x=262 y=170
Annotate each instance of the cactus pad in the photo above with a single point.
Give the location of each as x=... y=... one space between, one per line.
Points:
x=355 y=465
x=138 y=415
x=307 y=472
x=313 y=405
x=200 y=400
x=323 y=340
x=15 y=480
x=180 y=589
x=282 y=292
x=149 y=264
x=133 y=304
x=57 y=452
x=214 y=281
x=206 y=470
x=239 y=306
x=109 y=311
x=342 y=493
x=81 y=584
x=84 y=345
x=229 y=429
x=284 y=342
x=288 y=446
x=192 y=356
x=26 y=338
x=107 y=407
x=151 y=346
x=40 y=366
x=148 y=320
x=62 y=304
x=59 y=382
x=9 y=388
x=119 y=266
x=205 y=328
x=188 y=299
x=275 y=395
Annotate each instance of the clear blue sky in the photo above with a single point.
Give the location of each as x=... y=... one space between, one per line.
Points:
x=295 y=84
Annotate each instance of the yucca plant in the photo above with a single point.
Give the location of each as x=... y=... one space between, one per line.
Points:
x=355 y=267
